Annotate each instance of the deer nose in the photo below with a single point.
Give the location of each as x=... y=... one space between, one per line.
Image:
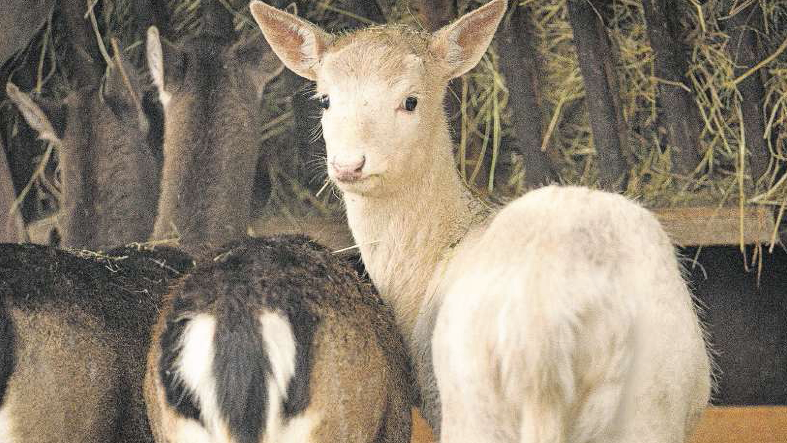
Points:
x=348 y=169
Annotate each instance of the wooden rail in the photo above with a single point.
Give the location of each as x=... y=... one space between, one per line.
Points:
x=754 y=424
x=708 y=226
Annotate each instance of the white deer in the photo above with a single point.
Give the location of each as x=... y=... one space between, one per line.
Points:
x=562 y=318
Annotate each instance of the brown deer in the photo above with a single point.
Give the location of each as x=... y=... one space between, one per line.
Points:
x=210 y=153
x=95 y=299
x=74 y=332
x=109 y=158
x=277 y=340
x=211 y=89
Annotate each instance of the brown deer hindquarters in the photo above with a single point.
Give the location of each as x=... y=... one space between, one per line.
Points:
x=74 y=332
x=277 y=340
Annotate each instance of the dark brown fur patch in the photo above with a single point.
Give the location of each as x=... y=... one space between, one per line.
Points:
x=122 y=292
x=211 y=147
x=6 y=349
x=290 y=275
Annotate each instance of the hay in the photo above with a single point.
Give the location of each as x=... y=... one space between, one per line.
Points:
x=484 y=128
x=722 y=179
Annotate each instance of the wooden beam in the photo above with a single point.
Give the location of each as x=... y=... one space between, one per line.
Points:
x=708 y=226
x=678 y=110
x=752 y=424
x=749 y=424
x=518 y=61
x=594 y=55
x=742 y=46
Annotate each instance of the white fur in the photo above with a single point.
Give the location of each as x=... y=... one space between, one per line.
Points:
x=309 y=50
x=280 y=348
x=582 y=331
x=190 y=431
x=195 y=370
x=566 y=318
x=297 y=429
x=6 y=424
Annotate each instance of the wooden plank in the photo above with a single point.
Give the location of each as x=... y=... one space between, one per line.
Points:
x=519 y=64
x=678 y=111
x=756 y=424
x=708 y=226
x=594 y=54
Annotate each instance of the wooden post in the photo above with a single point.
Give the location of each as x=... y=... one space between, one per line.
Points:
x=519 y=64
x=742 y=47
x=12 y=227
x=679 y=112
x=595 y=63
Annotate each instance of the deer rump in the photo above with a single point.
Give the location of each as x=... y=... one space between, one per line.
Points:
x=74 y=331
x=277 y=340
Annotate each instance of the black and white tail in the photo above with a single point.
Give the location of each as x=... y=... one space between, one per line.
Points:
x=233 y=371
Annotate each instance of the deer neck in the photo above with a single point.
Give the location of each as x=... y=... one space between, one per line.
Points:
x=404 y=237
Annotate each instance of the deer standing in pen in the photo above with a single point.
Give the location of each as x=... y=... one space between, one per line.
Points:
x=109 y=155
x=277 y=340
x=211 y=88
x=563 y=317
x=90 y=317
x=291 y=332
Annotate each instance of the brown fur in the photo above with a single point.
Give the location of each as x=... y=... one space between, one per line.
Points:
x=78 y=329
x=213 y=119
x=109 y=178
x=358 y=378
x=110 y=166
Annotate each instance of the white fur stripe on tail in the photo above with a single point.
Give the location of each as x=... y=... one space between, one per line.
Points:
x=280 y=347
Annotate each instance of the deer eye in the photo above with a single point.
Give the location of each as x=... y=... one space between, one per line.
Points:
x=410 y=103
x=325 y=102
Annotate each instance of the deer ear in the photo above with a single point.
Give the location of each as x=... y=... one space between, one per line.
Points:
x=166 y=63
x=298 y=43
x=461 y=44
x=48 y=118
x=259 y=60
